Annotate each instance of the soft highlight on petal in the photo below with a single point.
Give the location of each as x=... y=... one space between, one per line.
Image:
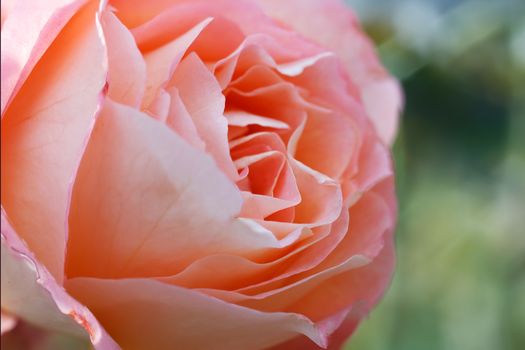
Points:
x=44 y=134
x=27 y=32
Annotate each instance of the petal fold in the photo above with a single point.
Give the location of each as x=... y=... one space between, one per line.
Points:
x=27 y=32
x=31 y=292
x=44 y=134
x=333 y=25
x=146 y=203
x=184 y=318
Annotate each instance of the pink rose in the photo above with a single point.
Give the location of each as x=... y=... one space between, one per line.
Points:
x=195 y=174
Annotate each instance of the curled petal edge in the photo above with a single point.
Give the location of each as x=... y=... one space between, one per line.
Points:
x=32 y=293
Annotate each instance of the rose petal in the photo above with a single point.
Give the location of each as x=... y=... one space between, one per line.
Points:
x=247 y=15
x=167 y=25
x=295 y=68
x=370 y=233
x=197 y=321
x=383 y=100
x=242 y=118
x=142 y=186
x=281 y=102
x=321 y=196
x=31 y=292
x=161 y=63
x=333 y=25
x=338 y=327
x=373 y=166
x=44 y=134
x=135 y=12
x=205 y=102
x=127 y=69
x=236 y=273
x=160 y=107
x=26 y=34
x=179 y=120
x=371 y=221
x=249 y=53
x=327 y=143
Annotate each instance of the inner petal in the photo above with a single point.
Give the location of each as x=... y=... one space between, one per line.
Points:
x=264 y=171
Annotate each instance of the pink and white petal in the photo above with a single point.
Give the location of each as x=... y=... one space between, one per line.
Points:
x=362 y=287
x=258 y=142
x=127 y=69
x=32 y=293
x=371 y=223
x=243 y=118
x=333 y=25
x=160 y=107
x=339 y=327
x=44 y=134
x=373 y=166
x=329 y=85
x=256 y=77
x=167 y=25
x=316 y=249
x=248 y=54
x=383 y=99
x=264 y=170
x=146 y=203
x=180 y=121
x=369 y=234
x=260 y=207
x=234 y=272
x=161 y=63
x=285 y=45
x=327 y=143
x=297 y=67
x=281 y=102
x=203 y=98
x=27 y=32
x=322 y=200
x=199 y=321
x=133 y=13
x=209 y=49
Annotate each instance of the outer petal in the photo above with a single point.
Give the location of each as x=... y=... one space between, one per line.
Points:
x=233 y=272
x=28 y=30
x=333 y=25
x=44 y=134
x=183 y=318
x=351 y=265
x=371 y=222
x=29 y=291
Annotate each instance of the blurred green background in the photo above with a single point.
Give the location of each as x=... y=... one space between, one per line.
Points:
x=460 y=157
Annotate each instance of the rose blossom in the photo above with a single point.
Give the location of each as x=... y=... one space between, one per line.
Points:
x=194 y=174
